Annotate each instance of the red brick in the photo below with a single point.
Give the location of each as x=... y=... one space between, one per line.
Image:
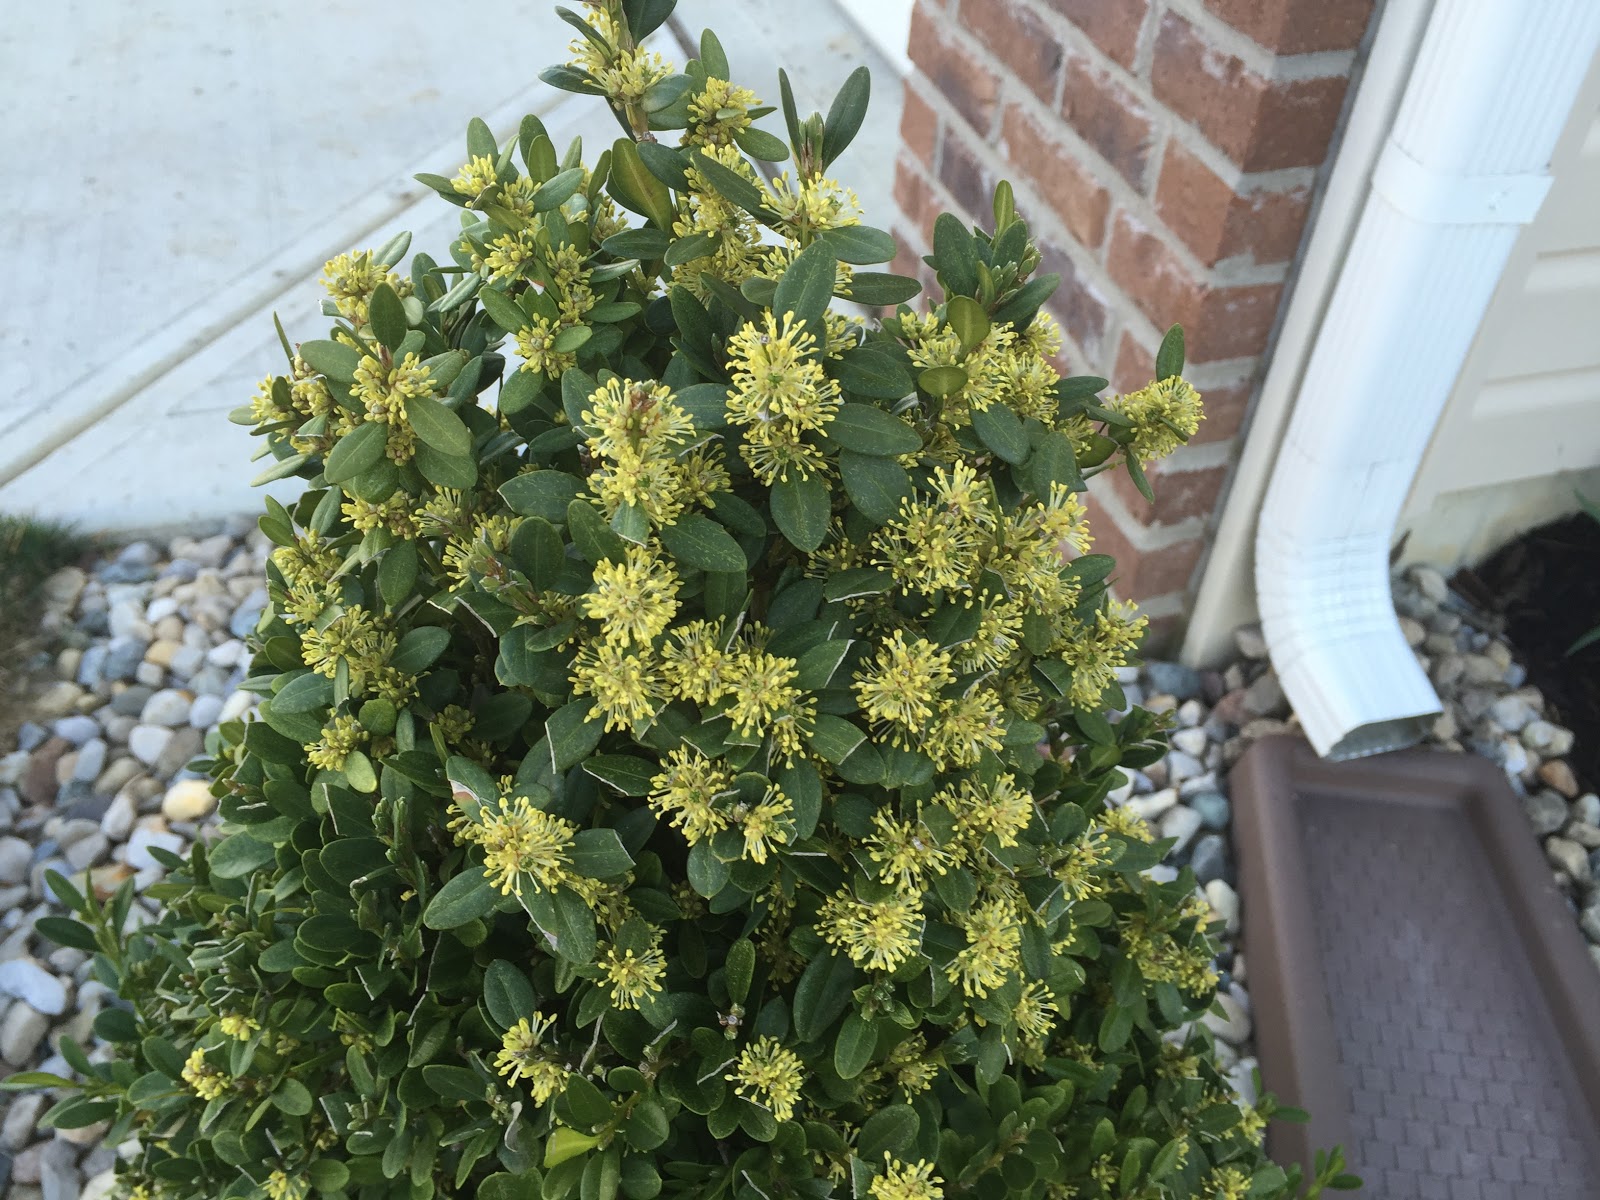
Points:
x=919 y=126
x=1259 y=123
x=1297 y=26
x=907 y=261
x=1216 y=222
x=1226 y=408
x=1019 y=39
x=1220 y=322
x=915 y=197
x=1135 y=366
x=1056 y=176
x=1109 y=117
x=965 y=177
x=1081 y=309
x=954 y=70
x=1141 y=574
x=1179 y=494
x=1112 y=25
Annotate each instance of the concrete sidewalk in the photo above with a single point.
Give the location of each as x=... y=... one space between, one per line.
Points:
x=188 y=179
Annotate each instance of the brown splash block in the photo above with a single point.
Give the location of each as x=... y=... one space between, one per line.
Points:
x=1418 y=983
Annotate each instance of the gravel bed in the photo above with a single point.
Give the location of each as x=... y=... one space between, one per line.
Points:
x=150 y=655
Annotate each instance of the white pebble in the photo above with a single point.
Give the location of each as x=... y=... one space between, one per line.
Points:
x=146 y=742
x=26 y=979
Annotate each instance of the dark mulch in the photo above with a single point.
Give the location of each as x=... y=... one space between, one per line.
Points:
x=1546 y=585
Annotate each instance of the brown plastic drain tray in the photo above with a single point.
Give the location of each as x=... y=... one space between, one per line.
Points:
x=1418 y=983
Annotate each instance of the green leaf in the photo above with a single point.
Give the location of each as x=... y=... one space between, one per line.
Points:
x=876 y=486
x=64 y=932
x=942 y=381
x=1001 y=430
x=859 y=244
x=760 y=144
x=438 y=426
x=595 y=540
x=238 y=855
x=855 y=582
x=334 y=359
x=667 y=165
x=956 y=254
x=816 y=668
x=24 y=1080
x=507 y=995
x=644 y=243
x=858 y=1038
x=1053 y=463
x=1169 y=358
x=1115 y=1027
x=451 y=1083
x=573 y=736
x=835 y=739
x=822 y=994
x=419 y=649
x=542 y=494
x=698 y=541
x=446 y=470
x=807 y=286
x=872 y=371
x=623 y=773
x=599 y=854
x=890 y=1130
x=691 y=247
x=538 y=552
x=397 y=573
x=555 y=192
x=633 y=186
x=466 y=897
x=565 y=1143
x=845 y=114
x=880 y=288
x=304 y=693
x=731 y=186
x=1140 y=479
x=867 y=429
x=356 y=452
x=359 y=773
x=740 y=969
x=801 y=508
x=292 y=1097
x=967 y=318
x=387 y=316
x=502 y=309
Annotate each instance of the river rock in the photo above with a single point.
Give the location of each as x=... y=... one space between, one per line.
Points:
x=27 y=980
x=22 y=1032
x=146 y=742
x=188 y=800
x=1546 y=811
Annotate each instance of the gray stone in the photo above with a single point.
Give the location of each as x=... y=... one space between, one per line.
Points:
x=230 y=653
x=1181 y=823
x=1191 y=741
x=211 y=681
x=205 y=710
x=1515 y=675
x=146 y=742
x=1447 y=671
x=186 y=660
x=1589 y=921
x=130 y=701
x=169 y=706
x=22 y=1032
x=1481 y=669
x=1214 y=809
x=1546 y=739
x=186 y=743
x=91 y=760
x=22 y=1118
x=139 y=856
x=15 y=856
x=1568 y=857
x=118 y=728
x=1210 y=859
x=138 y=554
x=150 y=674
x=119 y=817
x=1430 y=583
x=1174 y=679
x=1152 y=807
x=88 y=852
x=1224 y=902
x=1511 y=713
x=1250 y=641
x=59 y=1178
x=1265 y=698
x=76 y=729
x=30 y=736
x=1233 y=1024
x=26 y=980
x=1546 y=811
x=1413 y=631
x=243 y=622
x=1181 y=766
x=92 y=666
x=1587 y=808
x=1585 y=834
x=123 y=656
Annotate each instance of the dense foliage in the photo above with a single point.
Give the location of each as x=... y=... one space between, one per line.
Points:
x=682 y=753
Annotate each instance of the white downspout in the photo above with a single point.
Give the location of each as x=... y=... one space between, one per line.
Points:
x=1464 y=168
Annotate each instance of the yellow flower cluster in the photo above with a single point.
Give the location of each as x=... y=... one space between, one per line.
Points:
x=780 y=394
x=383 y=391
x=632 y=977
x=1165 y=415
x=351 y=279
x=702 y=210
x=906 y=1181
x=1002 y=808
x=282 y=1186
x=771 y=1075
x=523 y=1055
x=523 y=846
x=878 y=935
x=993 y=949
x=641 y=440
x=809 y=206
x=340 y=736
x=206 y=1081
x=719 y=113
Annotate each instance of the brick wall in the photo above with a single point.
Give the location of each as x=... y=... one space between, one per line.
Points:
x=1166 y=154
